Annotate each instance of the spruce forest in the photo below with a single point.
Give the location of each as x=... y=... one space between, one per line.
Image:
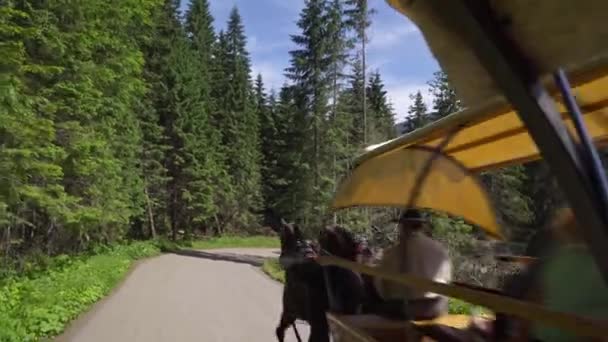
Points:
x=130 y=120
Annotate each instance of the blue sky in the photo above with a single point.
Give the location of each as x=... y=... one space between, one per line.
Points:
x=396 y=46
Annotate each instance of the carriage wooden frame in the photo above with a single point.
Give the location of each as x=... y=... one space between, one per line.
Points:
x=530 y=114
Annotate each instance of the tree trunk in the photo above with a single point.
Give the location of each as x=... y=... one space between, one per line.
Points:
x=7 y=241
x=335 y=117
x=367 y=215
x=217 y=229
x=173 y=215
x=364 y=87
x=150 y=214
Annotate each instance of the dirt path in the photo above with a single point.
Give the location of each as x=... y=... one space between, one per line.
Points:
x=186 y=298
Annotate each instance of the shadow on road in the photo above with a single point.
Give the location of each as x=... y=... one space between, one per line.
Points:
x=241 y=259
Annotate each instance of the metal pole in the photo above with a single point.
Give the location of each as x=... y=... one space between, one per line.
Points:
x=594 y=165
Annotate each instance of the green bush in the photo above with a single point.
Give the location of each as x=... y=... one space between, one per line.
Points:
x=166 y=245
x=41 y=304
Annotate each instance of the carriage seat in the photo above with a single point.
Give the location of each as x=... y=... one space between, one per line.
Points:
x=374 y=327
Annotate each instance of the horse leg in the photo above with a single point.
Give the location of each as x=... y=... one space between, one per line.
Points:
x=295 y=330
x=319 y=331
x=283 y=324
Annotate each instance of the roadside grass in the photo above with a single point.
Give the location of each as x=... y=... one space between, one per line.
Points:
x=258 y=241
x=40 y=304
x=41 y=299
x=273 y=269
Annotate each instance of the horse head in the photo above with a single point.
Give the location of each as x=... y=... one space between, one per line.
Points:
x=339 y=242
x=291 y=236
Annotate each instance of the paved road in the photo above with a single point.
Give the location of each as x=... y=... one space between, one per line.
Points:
x=186 y=298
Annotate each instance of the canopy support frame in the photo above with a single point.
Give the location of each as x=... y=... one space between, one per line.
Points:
x=521 y=84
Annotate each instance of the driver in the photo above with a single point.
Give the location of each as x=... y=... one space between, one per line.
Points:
x=418 y=255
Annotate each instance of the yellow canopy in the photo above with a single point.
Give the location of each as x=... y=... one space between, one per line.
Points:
x=487 y=137
x=551 y=33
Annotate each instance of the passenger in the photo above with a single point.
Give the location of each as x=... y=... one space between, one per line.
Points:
x=563 y=257
x=570 y=259
x=418 y=255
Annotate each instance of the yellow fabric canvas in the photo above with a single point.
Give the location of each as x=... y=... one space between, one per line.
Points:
x=391 y=179
x=487 y=137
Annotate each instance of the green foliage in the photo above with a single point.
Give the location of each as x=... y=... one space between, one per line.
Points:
x=166 y=246
x=507 y=188
x=310 y=72
x=459 y=307
x=455 y=234
x=352 y=103
x=358 y=17
x=282 y=155
x=192 y=165
x=40 y=305
x=155 y=143
x=69 y=146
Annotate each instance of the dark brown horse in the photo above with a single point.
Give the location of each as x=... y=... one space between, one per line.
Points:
x=345 y=288
x=305 y=294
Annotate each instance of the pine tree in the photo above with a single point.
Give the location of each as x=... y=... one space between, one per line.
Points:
x=381 y=111
x=283 y=163
x=194 y=168
x=268 y=136
x=339 y=45
x=417 y=111
x=239 y=124
x=161 y=145
x=445 y=101
x=31 y=193
x=155 y=144
x=358 y=18
x=310 y=71
x=199 y=25
x=354 y=95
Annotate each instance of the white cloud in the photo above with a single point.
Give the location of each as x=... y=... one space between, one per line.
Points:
x=399 y=95
x=388 y=37
x=272 y=74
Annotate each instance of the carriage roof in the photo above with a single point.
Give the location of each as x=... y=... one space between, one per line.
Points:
x=489 y=134
x=501 y=51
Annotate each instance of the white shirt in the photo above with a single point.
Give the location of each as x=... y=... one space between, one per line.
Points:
x=423 y=257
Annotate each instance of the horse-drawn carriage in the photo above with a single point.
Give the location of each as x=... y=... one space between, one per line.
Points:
x=503 y=59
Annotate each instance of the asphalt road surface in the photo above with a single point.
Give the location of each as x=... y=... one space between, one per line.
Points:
x=188 y=298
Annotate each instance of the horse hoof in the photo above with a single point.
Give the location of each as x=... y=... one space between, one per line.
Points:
x=280 y=334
